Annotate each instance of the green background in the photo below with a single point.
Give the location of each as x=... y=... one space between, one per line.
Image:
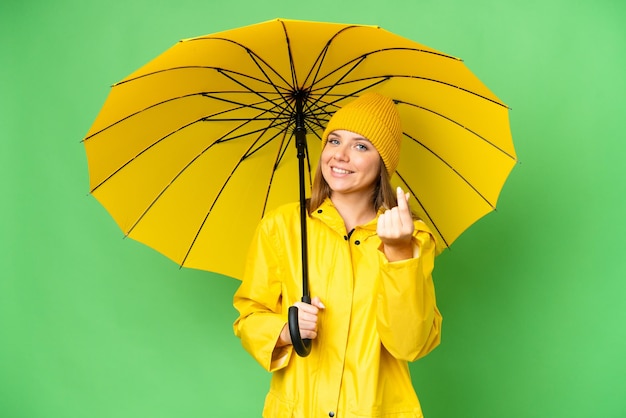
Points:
x=92 y=325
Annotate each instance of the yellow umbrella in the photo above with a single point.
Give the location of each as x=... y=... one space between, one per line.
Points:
x=189 y=151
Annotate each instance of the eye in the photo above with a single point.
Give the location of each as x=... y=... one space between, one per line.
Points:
x=333 y=141
x=361 y=147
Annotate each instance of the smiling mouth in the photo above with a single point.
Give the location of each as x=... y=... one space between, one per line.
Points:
x=340 y=170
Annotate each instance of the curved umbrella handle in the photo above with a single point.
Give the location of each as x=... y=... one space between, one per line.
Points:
x=302 y=346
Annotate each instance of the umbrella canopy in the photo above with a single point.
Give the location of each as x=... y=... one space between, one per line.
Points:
x=191 y=150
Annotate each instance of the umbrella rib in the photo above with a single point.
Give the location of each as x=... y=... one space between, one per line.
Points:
x=313 y=119
x=283 y=104
x=379 y=80
x=315 y=109
x=385 y=78
x=250 y=52
x=320 y=96
x=332 y=86
x=360 y=58
x=390 y=76
x=322 y=55
x=136 y=113
x=210 y=95
x=250 y=90
x=127 y=163
x=476 y=134
x=317 y=65
x=204 y=118
x=268 y=141
x=294 y=76
x=220 y=140
x=318 y=107
x=189 y=67
x=120 y=168
x=355 y=62
x=284 y=125
x=206 y=217
x=281 y=152
x=415 y=195
x=440 y=158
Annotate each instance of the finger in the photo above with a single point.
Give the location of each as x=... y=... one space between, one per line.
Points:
x=381 y=226
x=389 y=222
x=307 y=317
x=402 y=199
x=406 y=217
x=394 y=222
x=317 y=303
x=306 y=307
x=307 y=326
x=308 y=335
x=403 y=205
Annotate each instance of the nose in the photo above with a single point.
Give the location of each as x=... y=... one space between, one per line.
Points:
x=341 y=153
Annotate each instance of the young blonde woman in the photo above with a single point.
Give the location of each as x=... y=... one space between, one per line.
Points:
x=370 y=262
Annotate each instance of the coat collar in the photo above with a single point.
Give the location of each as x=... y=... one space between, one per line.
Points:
x=328 y=214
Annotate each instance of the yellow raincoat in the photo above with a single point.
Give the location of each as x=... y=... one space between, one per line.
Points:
x=379 y=316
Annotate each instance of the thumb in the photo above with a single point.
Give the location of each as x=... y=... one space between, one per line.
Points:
x=317 y=302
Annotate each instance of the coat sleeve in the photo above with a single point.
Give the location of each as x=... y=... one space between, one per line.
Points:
x=408 y=321
x=258 y=301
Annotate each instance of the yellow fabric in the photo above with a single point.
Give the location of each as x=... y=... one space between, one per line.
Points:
x=376 y=118
x=378 y=317
x=192 y=149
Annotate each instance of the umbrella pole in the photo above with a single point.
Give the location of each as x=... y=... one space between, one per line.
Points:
x=302 y=346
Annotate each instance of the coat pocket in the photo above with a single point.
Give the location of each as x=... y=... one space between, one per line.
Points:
x=277 y=407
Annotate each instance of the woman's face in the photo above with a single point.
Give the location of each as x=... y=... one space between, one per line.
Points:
x=350 y=163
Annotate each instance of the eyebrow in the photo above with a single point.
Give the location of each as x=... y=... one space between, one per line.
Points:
x=356 y=138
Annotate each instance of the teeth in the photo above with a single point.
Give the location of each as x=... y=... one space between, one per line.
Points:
x=340 y=171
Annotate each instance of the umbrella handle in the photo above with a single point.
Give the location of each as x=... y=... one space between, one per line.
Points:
x=302 y=346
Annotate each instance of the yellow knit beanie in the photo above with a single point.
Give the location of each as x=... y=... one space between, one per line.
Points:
x=376 y=118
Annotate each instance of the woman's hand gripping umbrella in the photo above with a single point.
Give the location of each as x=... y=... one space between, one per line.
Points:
x=307 y=322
